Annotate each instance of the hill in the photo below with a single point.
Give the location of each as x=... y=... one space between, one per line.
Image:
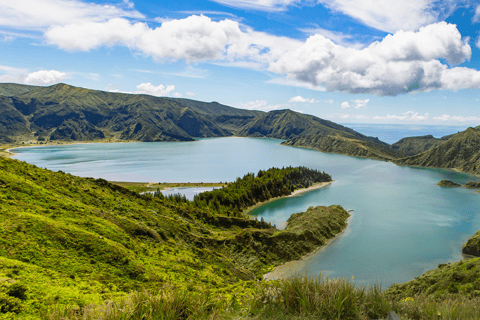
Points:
x=312 y=132
x=414 y=145
x=461 y=152
x=73 y=241
x=63 y=112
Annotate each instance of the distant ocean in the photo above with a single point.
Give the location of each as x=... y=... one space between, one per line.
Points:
x=391 y=133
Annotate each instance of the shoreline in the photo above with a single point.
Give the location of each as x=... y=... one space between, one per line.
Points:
x=293 y=194
x=8 y=148
x=291 y=268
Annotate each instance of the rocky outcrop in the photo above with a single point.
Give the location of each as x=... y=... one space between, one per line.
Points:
x=472 y=246
x=448 y=184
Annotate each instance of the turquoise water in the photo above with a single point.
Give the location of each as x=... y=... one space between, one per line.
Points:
x=402 y=224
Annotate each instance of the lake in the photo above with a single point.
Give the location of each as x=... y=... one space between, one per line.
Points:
x=402 y=224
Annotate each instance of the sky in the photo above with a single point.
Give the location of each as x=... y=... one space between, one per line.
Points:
x=348 y=61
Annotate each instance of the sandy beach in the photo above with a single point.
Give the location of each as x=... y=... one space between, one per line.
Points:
x=294 y=194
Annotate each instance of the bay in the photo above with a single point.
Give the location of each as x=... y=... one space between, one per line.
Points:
x=402 y=223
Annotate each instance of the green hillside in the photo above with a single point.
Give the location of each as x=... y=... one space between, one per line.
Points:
x=311 y=132
x=73 y=241
x=63 y=112
x=461 y=152
x=414 y=145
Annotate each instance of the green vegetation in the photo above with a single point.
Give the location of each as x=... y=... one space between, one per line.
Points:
x=472 y=185
x=461 y=151
x=449 y=281
x=296 y=298
x=249 y=190
x=472 y=246
x=448 y=183
x=414 y=145
x=70 y=241
x=452 y=184
x=348 y=145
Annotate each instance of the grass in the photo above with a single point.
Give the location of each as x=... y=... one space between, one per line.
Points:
x=295 y=298
x=76 y=248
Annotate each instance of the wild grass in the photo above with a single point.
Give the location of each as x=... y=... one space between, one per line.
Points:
x=294 y=298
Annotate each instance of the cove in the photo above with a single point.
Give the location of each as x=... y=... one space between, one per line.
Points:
x=402 y=224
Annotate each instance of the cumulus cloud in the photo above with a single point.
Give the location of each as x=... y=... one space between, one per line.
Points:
x=261 y=105
x=45 y=77
x=31 y=14
x=301 y=99
x=394 y=15
x=447 y=117
x=195 y=38
x=400 y=63
x=403 y=62
x=41 y=77
x=345 y=105
x=160 y=90
x=190 y=94
x=407 y=116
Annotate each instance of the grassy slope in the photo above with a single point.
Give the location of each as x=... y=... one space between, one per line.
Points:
x=71 y=240
x=461 y=151
x=414 y=145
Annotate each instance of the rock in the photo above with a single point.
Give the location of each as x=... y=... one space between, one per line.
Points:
x=472 y=246
x=472 y=185
x=448 y=183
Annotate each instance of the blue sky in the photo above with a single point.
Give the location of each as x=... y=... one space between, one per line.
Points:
x=349 y=61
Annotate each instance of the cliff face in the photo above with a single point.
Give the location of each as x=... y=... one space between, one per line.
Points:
x=461 y=151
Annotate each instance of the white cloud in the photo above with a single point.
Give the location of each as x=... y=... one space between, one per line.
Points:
x=394 y=15
x=41 y=77
x=45 y=77
x=407 y=116
x=361 y=103
x=177 y=95
x=346 y=40
x=195 y=38
x=400 y=63
x=449 y=118
x=358 y=104
x=33 y=14
x=301 y=99
x=262 y=5
x=160 y=90
x=476 y=17
x=261 y=105
x=345 y=105
x=190 y=94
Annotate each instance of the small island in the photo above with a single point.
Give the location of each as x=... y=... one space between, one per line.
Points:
x=448 y=184
x=452 y=184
